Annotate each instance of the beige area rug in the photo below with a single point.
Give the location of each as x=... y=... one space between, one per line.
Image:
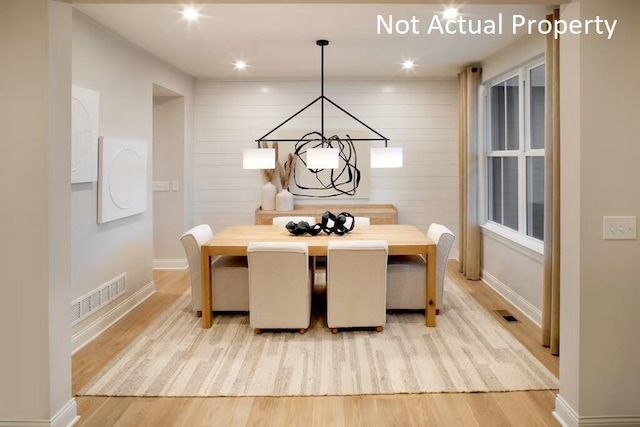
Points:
x=469 y=351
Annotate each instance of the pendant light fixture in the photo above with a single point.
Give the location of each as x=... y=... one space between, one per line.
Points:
x=259 y=158
x=324 y=154
x=386 y=157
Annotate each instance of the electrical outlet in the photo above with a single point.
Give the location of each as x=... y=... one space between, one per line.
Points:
x=619 y=228
x=175 y=185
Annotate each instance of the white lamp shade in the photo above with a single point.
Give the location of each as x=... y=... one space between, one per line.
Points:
x=386 y=157
x=259 y=158
x=323 y=158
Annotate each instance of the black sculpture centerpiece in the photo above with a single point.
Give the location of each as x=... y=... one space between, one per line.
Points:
x=330 y=224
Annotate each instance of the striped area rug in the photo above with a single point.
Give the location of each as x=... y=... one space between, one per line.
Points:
x=469 y=351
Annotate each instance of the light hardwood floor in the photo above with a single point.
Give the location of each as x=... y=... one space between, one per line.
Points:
x=529 y=408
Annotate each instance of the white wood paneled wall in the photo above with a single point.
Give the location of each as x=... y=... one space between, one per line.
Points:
x=420 y=116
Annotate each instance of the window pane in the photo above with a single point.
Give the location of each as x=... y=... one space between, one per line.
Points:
x=497 y=117
x=536 y=77
x=513 y=118
x=510 y=193
x=535 y=197
x=495 y=189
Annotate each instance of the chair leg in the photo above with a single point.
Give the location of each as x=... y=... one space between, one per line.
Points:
x=379 y=328
x=334 y=330
x=199 y=313
x=257 y=331
x=303 y=330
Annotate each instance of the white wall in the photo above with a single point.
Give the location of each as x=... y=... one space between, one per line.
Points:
x=168 y=166
x=570 y=218
x=602 y=151
x=517 y=53
x=35 y=172
x=511 y=269
x=420 y=116
x=124 y=75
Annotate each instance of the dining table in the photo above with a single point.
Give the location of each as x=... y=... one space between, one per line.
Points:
x=401 y=240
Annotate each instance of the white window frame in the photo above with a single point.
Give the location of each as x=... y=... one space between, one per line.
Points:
x=519 y=237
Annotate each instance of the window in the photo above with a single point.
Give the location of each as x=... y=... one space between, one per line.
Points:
x=514 y=147
x=535 y=154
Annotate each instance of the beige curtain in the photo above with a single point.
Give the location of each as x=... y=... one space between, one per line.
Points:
x=551 y=291
x=469 y=233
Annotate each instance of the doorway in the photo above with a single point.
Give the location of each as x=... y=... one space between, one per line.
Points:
x=168 y=178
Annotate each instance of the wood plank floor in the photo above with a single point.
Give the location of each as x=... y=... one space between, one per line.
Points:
x=530 y=408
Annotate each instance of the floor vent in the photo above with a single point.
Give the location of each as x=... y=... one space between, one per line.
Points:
x=89 y=303
x=508 y=317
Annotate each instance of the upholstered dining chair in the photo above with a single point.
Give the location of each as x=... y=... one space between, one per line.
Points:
x=230 y=274
x=279 y=286
x=406 y=274
x=359 y=220
x=283 y=220
x=321 y=261
x=356 y=284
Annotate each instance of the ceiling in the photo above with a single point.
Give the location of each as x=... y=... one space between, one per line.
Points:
x=278 y=40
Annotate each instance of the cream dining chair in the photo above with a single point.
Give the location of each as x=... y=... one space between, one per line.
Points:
x=230 y=274
x=279 y=286
x=356 y=284
x=406 y=274
x=359 y=220
x=284 y=220
x=321 y=261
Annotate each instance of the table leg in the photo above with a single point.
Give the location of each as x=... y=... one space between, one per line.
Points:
x=205 y=280
x=430 y=314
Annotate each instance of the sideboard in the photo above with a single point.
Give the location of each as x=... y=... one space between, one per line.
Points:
x=378 y=214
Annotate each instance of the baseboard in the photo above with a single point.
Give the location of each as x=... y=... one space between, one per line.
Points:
x=566 y=416
x=170 y=264
x=66 y=417
x=507 y=293
x=108 y=318
x=611 y=421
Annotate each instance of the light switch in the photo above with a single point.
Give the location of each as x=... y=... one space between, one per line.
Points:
x=160 y=185
x=619 y=228
x=175 y=185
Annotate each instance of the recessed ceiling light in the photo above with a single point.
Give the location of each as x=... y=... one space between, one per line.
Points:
x=407 y=65
x=190 y=14
x=239 y=65
x=450 y=13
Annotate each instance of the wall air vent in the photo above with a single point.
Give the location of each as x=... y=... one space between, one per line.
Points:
x=89 y=303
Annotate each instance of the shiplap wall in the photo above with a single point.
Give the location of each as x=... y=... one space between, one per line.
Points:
x=420 y=116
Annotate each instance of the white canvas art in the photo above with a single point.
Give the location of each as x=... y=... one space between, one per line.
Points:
x=85 y=108
x=350 y=180
x=122 y=187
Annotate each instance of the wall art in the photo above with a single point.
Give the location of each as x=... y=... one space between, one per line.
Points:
x=122 y=185
x=351 y=180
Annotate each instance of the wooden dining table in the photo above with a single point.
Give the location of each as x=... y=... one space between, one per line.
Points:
x=401 y=240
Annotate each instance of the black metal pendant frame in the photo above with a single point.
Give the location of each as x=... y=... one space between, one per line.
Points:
x=322 y=98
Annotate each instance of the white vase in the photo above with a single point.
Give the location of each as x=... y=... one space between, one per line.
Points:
x=269 y=197
x=284 y=201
